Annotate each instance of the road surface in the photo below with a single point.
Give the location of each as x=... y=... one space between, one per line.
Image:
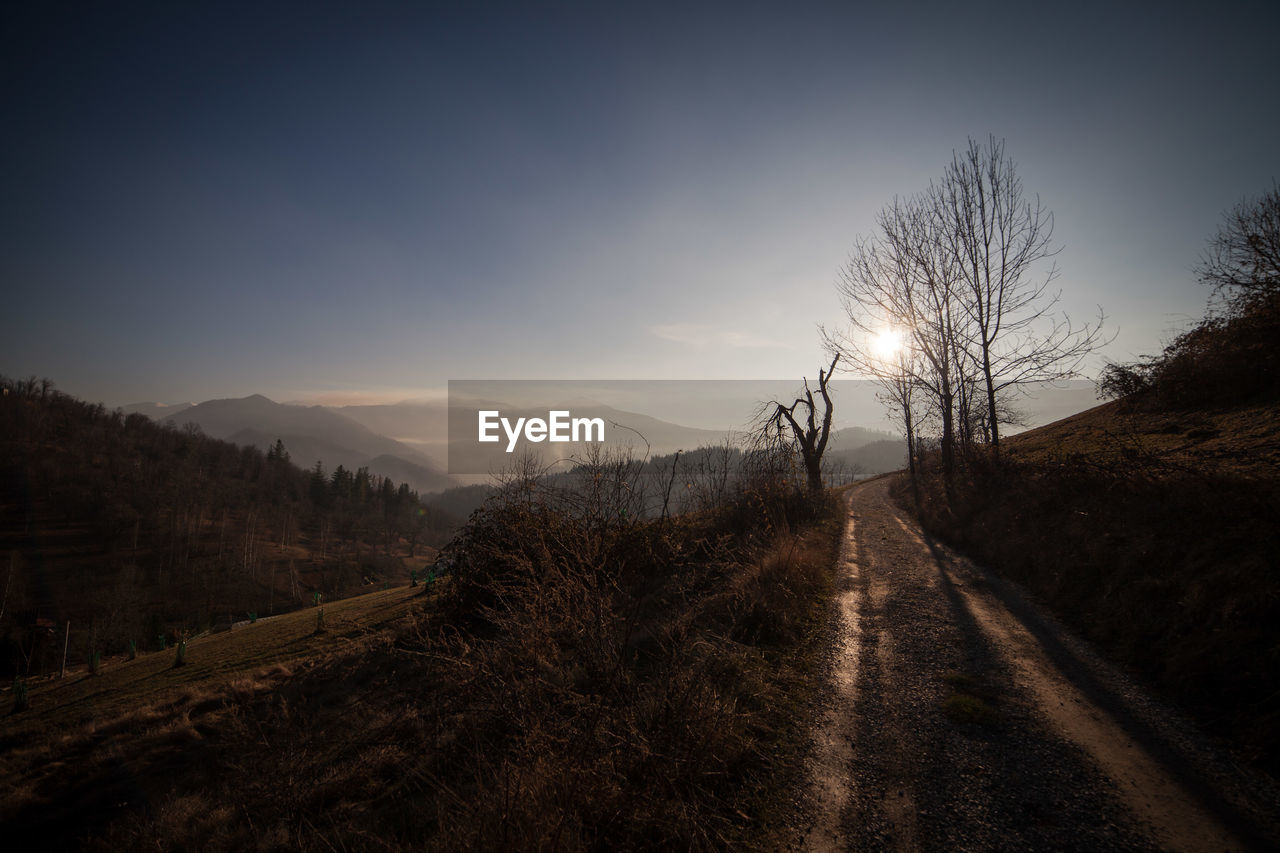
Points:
x=961 y=717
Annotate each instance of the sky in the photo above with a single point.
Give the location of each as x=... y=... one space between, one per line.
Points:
x=359 y=202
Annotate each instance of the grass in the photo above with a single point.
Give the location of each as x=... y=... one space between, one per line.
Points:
x=123 y=685
x=970 y=709
x=1238 y=441
x=569 y=686
x=970 y=703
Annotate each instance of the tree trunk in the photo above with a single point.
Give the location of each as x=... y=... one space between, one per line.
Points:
x=813 y=467
x=991 y=403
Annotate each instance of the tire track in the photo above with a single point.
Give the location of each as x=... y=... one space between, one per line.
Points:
x=833 y=737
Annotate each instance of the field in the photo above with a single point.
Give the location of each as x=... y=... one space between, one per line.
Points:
x=124 y=685
x=64 y=758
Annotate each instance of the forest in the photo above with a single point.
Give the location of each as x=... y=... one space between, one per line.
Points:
x=140 y=534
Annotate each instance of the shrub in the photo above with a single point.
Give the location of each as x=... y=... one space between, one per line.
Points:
x=1124 y=380
x=621 y=682
x=1223 y=360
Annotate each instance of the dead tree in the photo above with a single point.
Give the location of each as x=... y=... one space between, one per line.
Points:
x=801 y=417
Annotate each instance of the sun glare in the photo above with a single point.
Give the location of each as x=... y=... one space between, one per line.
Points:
x=887 y=344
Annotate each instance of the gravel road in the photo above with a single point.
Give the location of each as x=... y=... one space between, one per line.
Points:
x=961 y=717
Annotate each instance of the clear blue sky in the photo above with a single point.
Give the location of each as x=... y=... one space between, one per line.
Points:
x=317 y=200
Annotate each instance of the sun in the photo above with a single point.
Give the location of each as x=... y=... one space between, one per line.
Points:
x=886 y=345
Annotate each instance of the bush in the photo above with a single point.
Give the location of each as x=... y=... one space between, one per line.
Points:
x=1223 y=360
x=625 y=681
x=578 y=680
x=1124 y=380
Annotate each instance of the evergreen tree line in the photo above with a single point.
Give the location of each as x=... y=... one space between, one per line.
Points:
x=137 y=531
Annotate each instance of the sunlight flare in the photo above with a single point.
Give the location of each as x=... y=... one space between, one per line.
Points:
x=886 y=345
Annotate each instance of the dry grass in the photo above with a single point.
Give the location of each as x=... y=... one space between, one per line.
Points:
x=1240 y=441
x=633 y=686
x=125 y=685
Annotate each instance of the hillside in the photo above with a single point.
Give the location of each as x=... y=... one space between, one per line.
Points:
x=149 y=713
x=1241 y=441
x=311 y=434
x=1155 y=531
x=140 y=533
x=874 y=457
x=577 y=679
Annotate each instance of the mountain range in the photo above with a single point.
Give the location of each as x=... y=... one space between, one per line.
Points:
x=310 y=434
x=408 y=441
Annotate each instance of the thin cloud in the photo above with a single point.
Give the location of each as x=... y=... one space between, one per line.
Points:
x=705 y=335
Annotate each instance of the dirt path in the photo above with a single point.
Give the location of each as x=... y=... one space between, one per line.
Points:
x=961 y=717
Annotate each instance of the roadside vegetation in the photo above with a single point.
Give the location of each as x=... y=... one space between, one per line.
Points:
x=574 y=676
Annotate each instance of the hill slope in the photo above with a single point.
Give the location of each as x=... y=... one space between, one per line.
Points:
x=1157 y=534
x=312 y=433
x=130 y=530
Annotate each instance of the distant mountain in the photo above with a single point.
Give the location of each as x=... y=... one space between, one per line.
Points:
x=408 y=441
x=303 y=450
x=852 y=438
x=423 y=477
x=662 y=436
x=424 y=426
x=460 y=501
x=312 y=433
x=876 y=457
x=155 y=411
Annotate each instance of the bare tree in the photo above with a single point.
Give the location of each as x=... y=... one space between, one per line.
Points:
x=801 y=417
x=905 y=282
x=998 y=240
x=1244 y=256
x=954 y=270
x=901 y=391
